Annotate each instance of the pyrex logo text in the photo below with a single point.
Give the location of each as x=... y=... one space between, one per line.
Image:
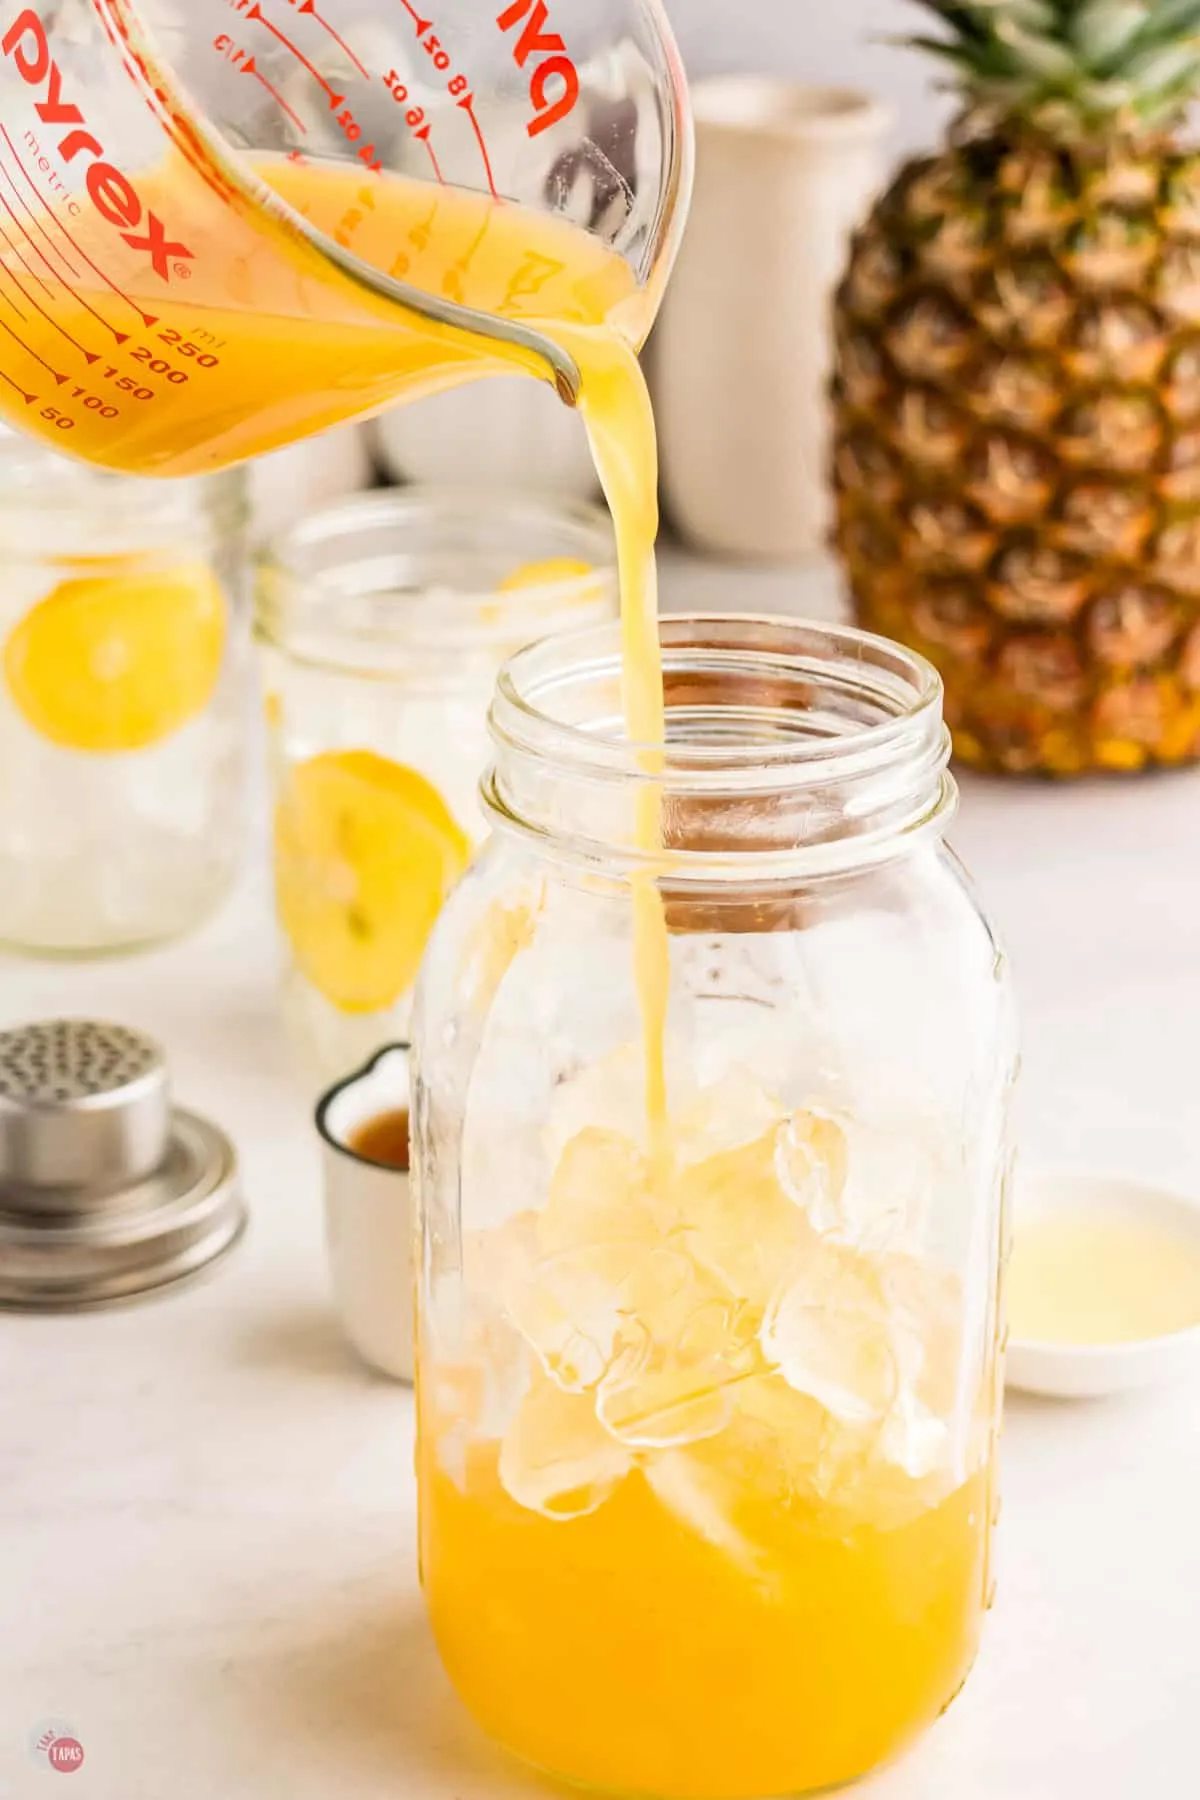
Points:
x=536 y=41
x=114 y=197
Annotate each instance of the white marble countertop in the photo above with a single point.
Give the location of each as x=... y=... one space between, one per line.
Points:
x=207 y=1511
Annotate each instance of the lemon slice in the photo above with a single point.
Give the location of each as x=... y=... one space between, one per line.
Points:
x=109 y=663
x=365 y=853
x=555 y=571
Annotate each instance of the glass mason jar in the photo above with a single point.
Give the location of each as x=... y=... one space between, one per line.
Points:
x=707 y=1423
x=384 y=622
x=123 y=667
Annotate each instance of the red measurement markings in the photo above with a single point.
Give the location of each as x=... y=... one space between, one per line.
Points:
x=415 y=118
x=250 y=67
x=122 y=337
x=422 y=24
x=257 y=16
x=23 y=234
x=36 y=222
x=457 y=85
x=145 y=317
x=437 y=167
x=90 y=356
x=468 y=105
x=28 y=348
x=26 y=396
x=112 y=15
x=351 y=129
x=245 y=64
x=308 y=9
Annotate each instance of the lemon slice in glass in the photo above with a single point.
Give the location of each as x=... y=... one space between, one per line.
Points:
x=111 y=663
x=365 y=853
x=555 y=571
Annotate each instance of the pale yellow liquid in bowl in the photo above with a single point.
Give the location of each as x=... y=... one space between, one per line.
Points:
x=771 y=1632
x=1089 y=1279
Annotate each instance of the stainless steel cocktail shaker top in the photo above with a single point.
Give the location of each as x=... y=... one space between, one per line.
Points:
x=107 y=1191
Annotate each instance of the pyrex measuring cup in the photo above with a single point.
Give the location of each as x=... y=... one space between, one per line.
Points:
x=227 y=223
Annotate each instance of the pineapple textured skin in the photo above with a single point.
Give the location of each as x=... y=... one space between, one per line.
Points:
x=1017 y=398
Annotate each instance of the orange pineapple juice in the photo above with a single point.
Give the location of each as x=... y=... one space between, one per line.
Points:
x=629 y=1649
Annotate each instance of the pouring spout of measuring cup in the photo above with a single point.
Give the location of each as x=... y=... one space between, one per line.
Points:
x=510 y=332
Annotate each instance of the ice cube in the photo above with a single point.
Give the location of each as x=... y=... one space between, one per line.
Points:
x=568 y=1309
x=929 y=1298
x=739 y=1222
x=700 y=1493
x=838 y=1476
x=870 y=1185
x=913 y=1439
x=814 y=1464
x=609 y=1095
x=557 y=1459
x=876 y=1341
x=679 y=1355
x=599 y=1194
x=741 y=1490
x=831 y=1335
x=810 y=1166
x=723 y=1116
x=565 y=1288
x=612 y=1298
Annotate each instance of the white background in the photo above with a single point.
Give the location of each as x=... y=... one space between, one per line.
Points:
x=829 y=41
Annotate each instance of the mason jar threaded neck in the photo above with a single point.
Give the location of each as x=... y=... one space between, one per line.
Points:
x=794 y=751
x=401 y=582
x=56 y=509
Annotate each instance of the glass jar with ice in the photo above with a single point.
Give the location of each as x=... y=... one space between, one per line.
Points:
x=708 y=1399
x=124 y=696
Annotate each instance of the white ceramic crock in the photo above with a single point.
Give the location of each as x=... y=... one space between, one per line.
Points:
x=740 y=362
x=368 y=1217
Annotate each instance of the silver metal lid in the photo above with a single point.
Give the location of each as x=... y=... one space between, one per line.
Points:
x=85 y=1110
x=105 y=1192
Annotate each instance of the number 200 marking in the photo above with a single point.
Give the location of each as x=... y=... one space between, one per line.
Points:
x=158 y=365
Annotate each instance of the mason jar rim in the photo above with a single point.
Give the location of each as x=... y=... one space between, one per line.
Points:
x=878 y=765
x=123 y=516
x=297 y=598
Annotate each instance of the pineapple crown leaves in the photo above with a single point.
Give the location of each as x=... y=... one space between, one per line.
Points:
x=1073 y=66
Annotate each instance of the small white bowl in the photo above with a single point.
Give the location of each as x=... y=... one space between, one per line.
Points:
x=1092 y=1371
x=368 y=1217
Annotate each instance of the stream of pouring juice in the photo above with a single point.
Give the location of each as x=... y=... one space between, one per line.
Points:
x=763 y=1604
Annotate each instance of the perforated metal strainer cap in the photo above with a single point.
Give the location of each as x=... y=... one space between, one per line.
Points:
x=106 y=1191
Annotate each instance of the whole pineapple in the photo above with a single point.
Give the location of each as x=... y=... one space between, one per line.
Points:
x=1018 y=389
